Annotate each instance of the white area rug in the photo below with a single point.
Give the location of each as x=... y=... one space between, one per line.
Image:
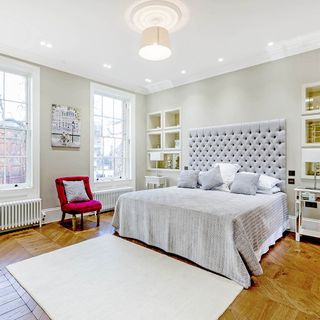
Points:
x=111 y=278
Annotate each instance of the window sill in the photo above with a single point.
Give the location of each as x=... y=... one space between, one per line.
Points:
x=112 y=183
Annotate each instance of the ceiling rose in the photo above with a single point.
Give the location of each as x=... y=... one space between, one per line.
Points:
x=168 y=14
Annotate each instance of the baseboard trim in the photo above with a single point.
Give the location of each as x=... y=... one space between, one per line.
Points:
x=54 y=215
x=308 y=223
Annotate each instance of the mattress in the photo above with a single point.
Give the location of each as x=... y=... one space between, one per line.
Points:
x=224 y=232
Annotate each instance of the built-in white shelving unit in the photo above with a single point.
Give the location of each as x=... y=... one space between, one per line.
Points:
x=164 y=135
x=310 y=124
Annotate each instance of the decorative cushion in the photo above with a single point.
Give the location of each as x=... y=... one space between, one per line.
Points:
x=245 y=183
x=82 y=207
x=75 y=191
x=188 y=179
x=210 y=179
x=228 y=171
x=267 y=182
x=269 y=191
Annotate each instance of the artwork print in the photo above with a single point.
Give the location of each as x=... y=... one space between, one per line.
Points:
x=65 y=127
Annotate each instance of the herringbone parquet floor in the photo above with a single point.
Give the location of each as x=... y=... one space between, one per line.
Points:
x=288 y=289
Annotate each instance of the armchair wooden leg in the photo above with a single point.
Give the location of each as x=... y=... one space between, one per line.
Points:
x=63 y=216
x=81 y=221
x=98 y=218
x=74 y=223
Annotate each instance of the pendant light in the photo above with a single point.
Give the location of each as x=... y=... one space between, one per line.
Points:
x=155 y=44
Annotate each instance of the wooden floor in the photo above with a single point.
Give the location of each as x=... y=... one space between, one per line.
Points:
x=288 y=289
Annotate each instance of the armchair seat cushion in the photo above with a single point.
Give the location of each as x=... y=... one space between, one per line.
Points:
x=82 y=207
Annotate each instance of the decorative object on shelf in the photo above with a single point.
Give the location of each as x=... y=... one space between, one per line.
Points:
x=65 y=127
x=176 y=161
x=155 y=19
x=156 y=156
x=311 y=102
x=312 y=155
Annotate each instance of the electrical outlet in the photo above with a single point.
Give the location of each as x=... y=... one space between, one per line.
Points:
x=185 y=167
x=291 y=173
x=291 y=181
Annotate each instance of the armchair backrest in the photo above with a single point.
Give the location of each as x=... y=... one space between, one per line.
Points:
x=61 y=192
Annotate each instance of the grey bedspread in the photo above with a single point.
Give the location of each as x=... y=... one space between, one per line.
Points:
x=220 y=231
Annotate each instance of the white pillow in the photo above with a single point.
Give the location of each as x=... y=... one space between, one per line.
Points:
x=269 y=191
x=267 y=182
x=228 y=172
x=75 y=191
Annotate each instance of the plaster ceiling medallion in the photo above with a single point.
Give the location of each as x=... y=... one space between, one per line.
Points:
x=155 y=19
x=168 y=14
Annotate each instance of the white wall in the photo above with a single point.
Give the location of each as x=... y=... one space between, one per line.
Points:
x=268 y=91
x=58 y=87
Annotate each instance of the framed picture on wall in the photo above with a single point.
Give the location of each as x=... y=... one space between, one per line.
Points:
x=65 y=126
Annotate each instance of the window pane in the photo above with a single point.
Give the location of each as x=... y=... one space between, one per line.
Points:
x=107 y=127
x=97 y=127
x=118 y=168
x=108 y=147
x=118 y=109
x=118 y=146
x=108 y=107
x=16 y=170
x=98 y=104
x=1 y=85
x=118 y=128
x=108 y=167
x=15 y=87
x=2 y=175
x=16 y=113
x=2 y=146
x=15 y=142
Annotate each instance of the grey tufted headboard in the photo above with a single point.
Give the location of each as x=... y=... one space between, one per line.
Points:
x=257 y=147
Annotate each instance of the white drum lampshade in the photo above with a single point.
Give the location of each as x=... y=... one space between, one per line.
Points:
x=156 y=156
x=312 y=155
x=155 y=44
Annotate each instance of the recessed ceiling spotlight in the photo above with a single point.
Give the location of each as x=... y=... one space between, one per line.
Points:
x=183 y=71
x=147 y=80
x=270 y=44
x=220 y=59
x=106 y=65
x=46 y=44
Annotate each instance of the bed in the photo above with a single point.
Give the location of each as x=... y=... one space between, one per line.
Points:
x=224 y=232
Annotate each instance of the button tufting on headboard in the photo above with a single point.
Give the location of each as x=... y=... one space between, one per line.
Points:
x=257 y=147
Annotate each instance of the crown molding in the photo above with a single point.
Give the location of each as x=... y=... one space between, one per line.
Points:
x=279 y=51
x=68 y=68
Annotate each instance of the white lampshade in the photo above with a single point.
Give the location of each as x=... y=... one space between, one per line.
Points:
x=155 y=44
x=156 y=156
x=311 y=155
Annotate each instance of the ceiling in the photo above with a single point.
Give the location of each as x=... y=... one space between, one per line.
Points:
x=85 y=34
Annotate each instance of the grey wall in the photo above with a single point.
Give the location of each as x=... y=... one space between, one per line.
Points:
x=67 y=89
x=268 y=91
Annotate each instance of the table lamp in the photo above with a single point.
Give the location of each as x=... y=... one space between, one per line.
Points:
x=156 y=156
x=312 y=155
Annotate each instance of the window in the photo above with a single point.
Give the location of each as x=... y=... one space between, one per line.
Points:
x=111 y=135
x=18 y=125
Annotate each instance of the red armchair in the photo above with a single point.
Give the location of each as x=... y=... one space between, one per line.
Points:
x=75 y=208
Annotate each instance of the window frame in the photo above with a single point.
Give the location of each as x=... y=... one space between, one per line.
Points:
x=96 y=88
x=31 y=188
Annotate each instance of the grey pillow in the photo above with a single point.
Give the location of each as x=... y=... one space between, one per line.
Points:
x=75 y=191
x=245 y=183
x=188 y=179
x=210 y=179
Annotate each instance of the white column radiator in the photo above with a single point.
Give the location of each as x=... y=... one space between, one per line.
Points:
x=22 y=213
x=109 y=198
